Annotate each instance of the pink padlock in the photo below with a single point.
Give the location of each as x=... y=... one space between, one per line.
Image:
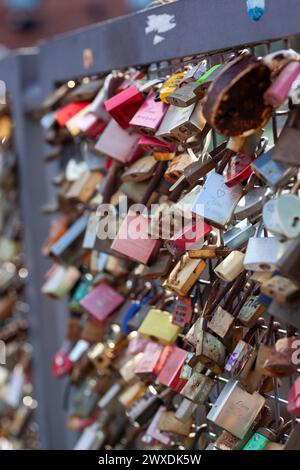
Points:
x=280 y=88
x=294 y=399
x=149 y=116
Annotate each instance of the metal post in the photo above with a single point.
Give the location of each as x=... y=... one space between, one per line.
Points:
x=20 y=73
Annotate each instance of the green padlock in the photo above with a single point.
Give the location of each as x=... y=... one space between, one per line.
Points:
x=263 y=436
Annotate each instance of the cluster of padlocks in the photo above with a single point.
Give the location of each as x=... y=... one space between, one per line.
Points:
x=176 y=241
x=17 y=428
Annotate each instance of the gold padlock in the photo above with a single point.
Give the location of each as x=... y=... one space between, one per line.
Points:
x=185 y=274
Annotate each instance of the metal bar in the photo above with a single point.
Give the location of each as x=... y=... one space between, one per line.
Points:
x=181 y=29
x=20 y=73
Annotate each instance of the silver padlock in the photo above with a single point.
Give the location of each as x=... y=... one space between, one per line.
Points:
x=235 y=409
x=252 y=203
x=274 y=174
x=238 y=235
x=216 y=202
x=281 y=215
x=263 y=254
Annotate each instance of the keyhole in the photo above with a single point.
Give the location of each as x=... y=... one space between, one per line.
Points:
x=296 y=221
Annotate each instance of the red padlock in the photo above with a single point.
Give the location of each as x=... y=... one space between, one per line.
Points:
x=294 y=399
x=187 y=237
x=238 y=170
x=61 y=364
x=64 y=114
x=123 y=106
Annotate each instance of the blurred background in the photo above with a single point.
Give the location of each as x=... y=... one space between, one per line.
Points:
x=24 y=22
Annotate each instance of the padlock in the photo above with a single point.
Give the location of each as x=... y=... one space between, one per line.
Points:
x=82 y=190
x=263 y=254
x=288 y=313
x=261 y=439
x=281 y=363
x=169 y=374
x=279 y=90
x=216 y=202
x=281 y=216
x=191 y=235
x=63 y=248
x=195 y=90
x=183 y=312
x=185 y=274
x=158 y=324
x=235 y=409
x=153 y=145
x=281 y=289
x=210 y=351
x=148 y=117
x=252 y=203
x=81 y=291
x=246 y=145
x=141 y=170
x=169 y=423
x=99 y=355
x=209 y=252
x=251 y=311
x=238 y=235
x=294 y=399
x=116 y=143
x=197 y=388
x=242 y=354
x=185 y=410
x=293 y=442
x=221 y=322
x=68 y=112
x=84 y=400
x=60 y=281
x=238 y=82
x=272 y=173
x=92 y=331
x=254 y=379
x=231 y=267
x=123 y=106
x=133 y=239
x=177 y=166
x=170 y=85
x=285 y=150
x=288 y=263
x=158 y=268
x=61 y=365
x=57 y=229
x=276 y=61
x=101 y=302
x=146 y=367
x=226 y=441
x=153 y=430
x=238 y=169
x=131 y=394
